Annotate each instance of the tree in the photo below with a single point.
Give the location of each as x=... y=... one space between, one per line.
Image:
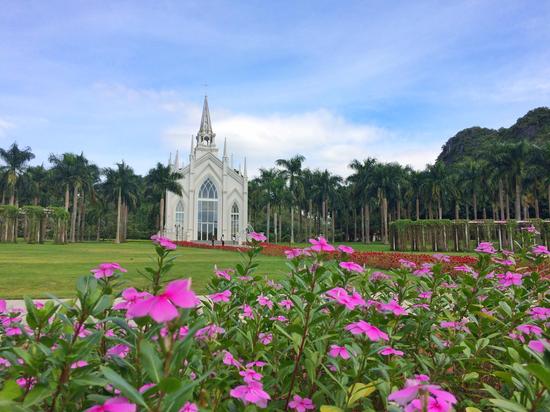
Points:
x=292 y=169
x=364 y=190
x=16 y=161
x=160 y=180
x=121 y=184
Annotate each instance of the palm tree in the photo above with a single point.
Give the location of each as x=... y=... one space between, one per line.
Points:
x=160 y=180
x=472 y=172
x=63 y=171
x=34 y=183
x=434 y=186
x=267 y=185
x=292 y=169
x=363 y=190
x=121 y=184
x=16 y=162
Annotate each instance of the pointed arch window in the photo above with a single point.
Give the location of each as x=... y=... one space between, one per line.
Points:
x=179 y=215
x=234 y=221
x=207 y=209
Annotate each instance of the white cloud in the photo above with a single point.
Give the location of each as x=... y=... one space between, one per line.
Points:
x=5 y=125
x=326 y=139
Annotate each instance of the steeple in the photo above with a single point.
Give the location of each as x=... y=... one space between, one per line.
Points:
x=177 y=160
x=225 y=149
x=206 y=135
x=191 y=150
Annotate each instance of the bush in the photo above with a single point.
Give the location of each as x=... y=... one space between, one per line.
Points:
x=331 y=336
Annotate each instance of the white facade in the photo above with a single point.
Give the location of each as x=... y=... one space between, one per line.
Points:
x=214 y=201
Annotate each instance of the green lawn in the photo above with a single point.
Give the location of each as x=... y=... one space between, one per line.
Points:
x=35 y=270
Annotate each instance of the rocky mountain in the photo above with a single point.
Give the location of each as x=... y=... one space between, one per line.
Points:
x=534 y=127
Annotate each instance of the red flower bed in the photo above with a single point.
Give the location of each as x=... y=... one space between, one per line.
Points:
x=380 y=260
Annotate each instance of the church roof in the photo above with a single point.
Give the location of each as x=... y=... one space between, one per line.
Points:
x=205 y=131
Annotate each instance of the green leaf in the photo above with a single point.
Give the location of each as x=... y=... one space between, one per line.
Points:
x=328 y=408
x=542 y=373
x=471 y=409
x=470 y=376
x=506 y=308
x=104 y=303
x=37 y=395
x=358 y=391
x=508 y=405
x=10 y=391
x=125 y=388
x=151 y=361
x=170 y=385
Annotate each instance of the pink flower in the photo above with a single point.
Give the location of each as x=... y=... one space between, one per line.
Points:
x=300 y=404
x=286 y=303
x=376 y=276
x=247 y=311
x=387 y=351
x=394 y=307
x=425 y=270
x=265 y=338
x=264 y=301
x=106 y=270
x=252 y=392
x=163 y=308
x=13 y=331
x=516 y=336
x=221 y=296
x=223 y=274
x=425 y=295
x=537 y=345
x=258 y=237
x=114 y=405
x=250 y=375
x=119 y=350
x=338 y=351
x=79 y=364
x=341 y=296
x=229 y=360
x=146 y=387
x=459 y=326
x=486 y=247
x=5 y=363
x=163 y=242
x=540 y=250
x=294 y=253
x=441 y=258
x=539 y=313
x=509 y=279
x=26 y=382
x=529 y=329
x=531 y=229
x=189 y=407
x=364 y=328
x=434 y=405
x=279 y=318
x=321 y=245
x=209 y=332
x=131 y=296
x=352 y=267
x=346 y=249
x=407 y=264
x=414 y=387
x=3 y=306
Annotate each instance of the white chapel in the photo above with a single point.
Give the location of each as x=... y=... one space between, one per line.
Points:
x=214 y=202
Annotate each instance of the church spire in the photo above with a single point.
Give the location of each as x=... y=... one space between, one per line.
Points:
x=205 y=135
x=177 y=160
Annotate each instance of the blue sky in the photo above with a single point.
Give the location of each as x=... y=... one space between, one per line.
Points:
x=330 y=80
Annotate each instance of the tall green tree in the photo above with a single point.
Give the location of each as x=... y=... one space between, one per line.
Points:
x=16 y=161
x=159 y=180
x=292 y=169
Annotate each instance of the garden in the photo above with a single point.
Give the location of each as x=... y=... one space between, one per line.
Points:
x=331 y=335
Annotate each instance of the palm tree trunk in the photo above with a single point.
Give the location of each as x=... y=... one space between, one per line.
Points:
x=385 y=201
x=67 y=197
x=474 y=204
x=518 y=198
x=98 y=230
x=507 y=205
x=439 y=208
x=355 y=224
x=292 y=224
x=73 y=216
x=125 y=221
x=119 y=210
x=367 y=223
x=333 y=218
x=417 y=208
x=275 y=226
x=363 y=225
x=537 y=209
x=457 y=210
x=268 y=220
x=398 y=213
x=501 y=198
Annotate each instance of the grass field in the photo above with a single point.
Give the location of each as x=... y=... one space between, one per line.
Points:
x=35 y=270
